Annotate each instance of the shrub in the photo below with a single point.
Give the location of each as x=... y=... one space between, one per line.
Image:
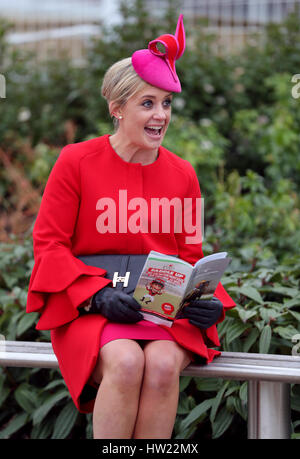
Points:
x=237 y=124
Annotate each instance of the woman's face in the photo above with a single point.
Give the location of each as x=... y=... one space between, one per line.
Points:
x=145 y=117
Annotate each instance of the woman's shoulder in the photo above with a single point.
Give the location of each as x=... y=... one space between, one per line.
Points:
x=177 y=162
x=79 y=150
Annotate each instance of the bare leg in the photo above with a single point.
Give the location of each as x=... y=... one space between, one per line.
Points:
x=164 y=360
x=120 y=369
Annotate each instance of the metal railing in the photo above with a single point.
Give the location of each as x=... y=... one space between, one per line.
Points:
x=269 y=378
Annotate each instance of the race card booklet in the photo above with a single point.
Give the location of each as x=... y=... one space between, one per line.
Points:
x=167 y=284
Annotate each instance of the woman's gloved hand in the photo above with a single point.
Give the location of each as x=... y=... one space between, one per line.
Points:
x=116 y=306
x=202 y=313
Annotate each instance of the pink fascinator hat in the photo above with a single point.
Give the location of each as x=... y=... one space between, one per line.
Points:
x=158 y=67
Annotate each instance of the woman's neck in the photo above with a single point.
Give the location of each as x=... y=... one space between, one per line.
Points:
x=132 y=153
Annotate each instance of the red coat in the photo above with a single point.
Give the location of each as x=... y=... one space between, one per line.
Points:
x=68 y=225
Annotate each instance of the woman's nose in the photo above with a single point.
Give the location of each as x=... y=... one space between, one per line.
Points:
x=160 y=114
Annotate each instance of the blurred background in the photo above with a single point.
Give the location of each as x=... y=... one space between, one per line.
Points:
x=52 y=26
x=237 y=121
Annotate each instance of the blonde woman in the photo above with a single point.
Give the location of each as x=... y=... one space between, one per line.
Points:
x=120 y=367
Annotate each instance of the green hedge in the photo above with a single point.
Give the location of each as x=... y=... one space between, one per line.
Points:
x=35 y=402
x=237 y=123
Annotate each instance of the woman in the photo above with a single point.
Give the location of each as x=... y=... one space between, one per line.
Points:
x=122 y=368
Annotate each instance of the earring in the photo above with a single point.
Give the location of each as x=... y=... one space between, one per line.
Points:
x=120 y=117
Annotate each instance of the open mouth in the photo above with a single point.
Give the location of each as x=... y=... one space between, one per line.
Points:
x=154 y=132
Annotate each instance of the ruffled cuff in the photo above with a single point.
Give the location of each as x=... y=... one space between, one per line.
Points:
x=58 y=285
x=211 y=334
x=61 y=307
x=55 y=270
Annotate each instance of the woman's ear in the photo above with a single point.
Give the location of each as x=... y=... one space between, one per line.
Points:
x=114 y=110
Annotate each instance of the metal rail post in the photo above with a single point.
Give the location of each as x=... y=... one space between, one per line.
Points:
x=269 y=412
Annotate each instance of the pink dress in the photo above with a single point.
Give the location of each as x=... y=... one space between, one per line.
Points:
x=143 y=330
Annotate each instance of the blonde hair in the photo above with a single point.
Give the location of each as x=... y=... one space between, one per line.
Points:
x=121 y=82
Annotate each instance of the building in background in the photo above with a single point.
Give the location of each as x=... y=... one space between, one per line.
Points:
x=231 y=21
x=251 y=12
x=52 y=26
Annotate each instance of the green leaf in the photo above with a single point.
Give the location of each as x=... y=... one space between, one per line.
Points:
x=187 y=433
x=41 y=412
x=9 y=280
x=251 y=293
x=246 y=314
x=186 y=404
x=4 y=394
x=196 y=413
x=230 y=406
x=221 y=423
x=43 y=429
x=233 y=386
x=286 y=291
x=234 y=331
x=223 y=326
x=26 y=397
x=26 y=322
x=295 y=314
x=20 y=294
x=14 y=425
x=208 y=384
x=243 y=392
x=240 y=408
x=286 y=332
x=268 y=313
x=265 y=339
x=4 y=391
x=65 y=421
x=184 y=381
x=218 y=400
x=291 y=303
x=89 y=427
x=183 y=404
x=250 y=340
x=55 y=383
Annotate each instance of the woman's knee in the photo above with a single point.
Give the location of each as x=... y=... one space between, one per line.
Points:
x=162 y=370
x=123 y=363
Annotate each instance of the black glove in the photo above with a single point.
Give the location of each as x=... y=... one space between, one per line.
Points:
x=202 y=313
x=116 y=306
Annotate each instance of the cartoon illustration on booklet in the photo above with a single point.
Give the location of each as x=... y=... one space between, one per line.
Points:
x=167 y=283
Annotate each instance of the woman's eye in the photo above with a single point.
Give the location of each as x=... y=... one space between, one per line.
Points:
x=147 y=103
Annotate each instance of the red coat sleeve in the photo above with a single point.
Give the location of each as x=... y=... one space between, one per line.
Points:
x=190 y=249
x=60 y=282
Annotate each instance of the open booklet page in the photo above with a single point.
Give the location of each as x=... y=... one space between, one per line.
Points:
x=161 y=287
x=167 y=283
x=205 y=277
